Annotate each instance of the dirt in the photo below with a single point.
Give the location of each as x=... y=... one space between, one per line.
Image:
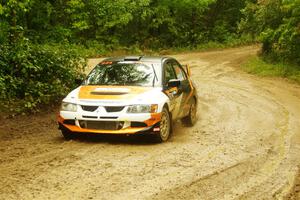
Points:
x=245 y=145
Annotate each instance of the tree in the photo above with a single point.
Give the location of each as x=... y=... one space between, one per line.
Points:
x=10 y=10
x=277 y=24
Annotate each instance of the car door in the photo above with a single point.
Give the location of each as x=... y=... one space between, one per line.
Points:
x=184 y=88
x=173 y=93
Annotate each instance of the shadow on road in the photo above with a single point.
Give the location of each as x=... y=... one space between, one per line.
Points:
x=116 y=139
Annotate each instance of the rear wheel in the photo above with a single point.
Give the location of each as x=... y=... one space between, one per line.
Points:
x=165 y=126
x=68 y=135
x=191 y=119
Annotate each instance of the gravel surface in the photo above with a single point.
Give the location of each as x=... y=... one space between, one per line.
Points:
x=245 y=145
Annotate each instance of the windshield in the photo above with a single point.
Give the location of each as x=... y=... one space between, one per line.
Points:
x=131 y=74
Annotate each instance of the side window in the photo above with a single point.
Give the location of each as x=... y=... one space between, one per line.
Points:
x=169 y=72
x=179 y=71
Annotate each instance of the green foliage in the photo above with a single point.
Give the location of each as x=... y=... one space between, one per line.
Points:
x=4 y=27
x=277 y=23
x=1 y=9
x=146 y=23
x=258 y=66
x=36 y=75
x=61 y=33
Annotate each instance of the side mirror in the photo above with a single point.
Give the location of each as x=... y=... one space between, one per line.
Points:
x=187 y=69
x=174 y=83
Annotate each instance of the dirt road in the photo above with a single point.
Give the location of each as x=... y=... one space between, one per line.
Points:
x=246 y=145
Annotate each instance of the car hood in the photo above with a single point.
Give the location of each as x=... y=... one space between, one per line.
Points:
x=113 y=94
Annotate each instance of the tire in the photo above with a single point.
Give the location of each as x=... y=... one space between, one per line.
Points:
x=165 y=126
x=191 y=119
x=68 y=135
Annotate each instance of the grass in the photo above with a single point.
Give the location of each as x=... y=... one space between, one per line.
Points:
x=258 y=66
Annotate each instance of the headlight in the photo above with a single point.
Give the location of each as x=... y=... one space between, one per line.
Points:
x=68 y=107
x=142 y=108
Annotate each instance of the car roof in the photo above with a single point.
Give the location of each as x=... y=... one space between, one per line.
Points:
x=154 y=59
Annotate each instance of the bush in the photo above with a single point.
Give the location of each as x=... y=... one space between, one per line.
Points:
x=277 y=23
x=36 y=75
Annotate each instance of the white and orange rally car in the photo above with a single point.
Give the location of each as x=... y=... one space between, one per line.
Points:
x=131 y=95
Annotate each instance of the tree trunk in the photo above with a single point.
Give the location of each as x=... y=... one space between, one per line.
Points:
x=13 y=26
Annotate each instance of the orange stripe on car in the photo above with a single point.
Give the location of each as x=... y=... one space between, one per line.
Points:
x=60 y=119
x=122 y=131
x=191 y=93
x=155 y=118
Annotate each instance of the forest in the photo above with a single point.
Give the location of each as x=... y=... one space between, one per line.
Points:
x=44 y=43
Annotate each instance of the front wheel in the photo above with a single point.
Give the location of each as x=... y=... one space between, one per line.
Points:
x=191 y=119
x=165 y=126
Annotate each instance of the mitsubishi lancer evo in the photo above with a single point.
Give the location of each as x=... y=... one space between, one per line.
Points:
x=131 y=95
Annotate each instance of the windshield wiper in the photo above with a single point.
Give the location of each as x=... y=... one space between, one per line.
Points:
x=155 y=76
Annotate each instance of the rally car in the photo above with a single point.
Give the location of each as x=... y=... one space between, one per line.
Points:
x=131 y=95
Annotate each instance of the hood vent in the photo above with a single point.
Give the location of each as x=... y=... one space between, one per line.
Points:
x=110 y=91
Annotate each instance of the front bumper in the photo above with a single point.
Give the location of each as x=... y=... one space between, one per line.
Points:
x=76 y=123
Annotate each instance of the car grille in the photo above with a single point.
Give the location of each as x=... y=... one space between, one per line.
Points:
x=114 y=108
x=89 y=108
x=107 y=108
x=101 y=125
